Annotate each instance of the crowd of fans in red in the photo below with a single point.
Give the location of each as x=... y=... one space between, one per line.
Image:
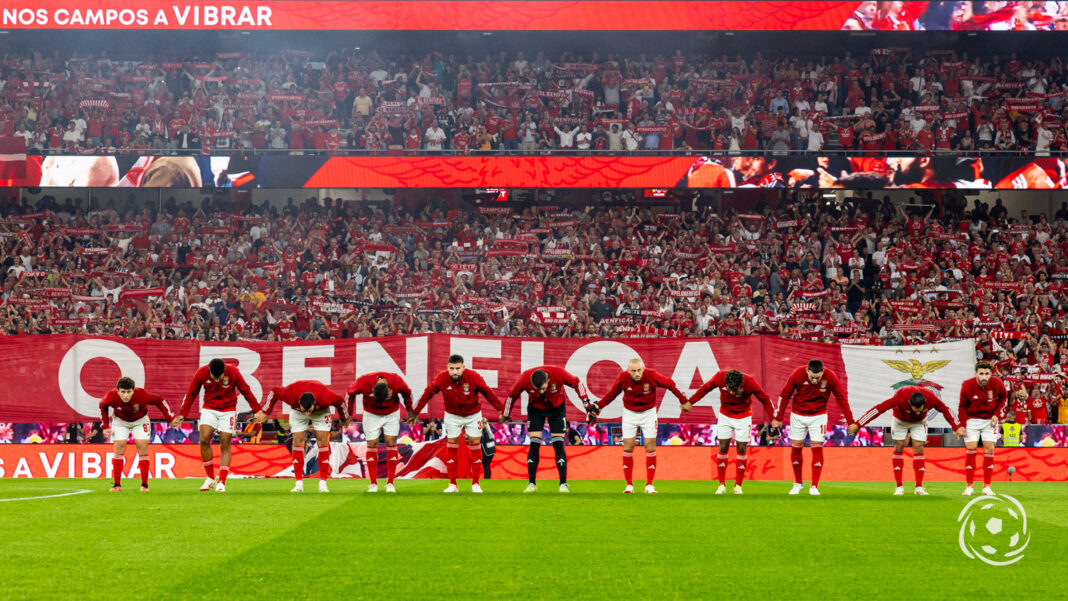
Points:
x=887 y=99
x=869 y=273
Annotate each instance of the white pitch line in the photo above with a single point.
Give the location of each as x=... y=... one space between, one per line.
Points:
x=66 y=494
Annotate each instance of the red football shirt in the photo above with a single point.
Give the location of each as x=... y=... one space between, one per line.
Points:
x=1038 y=410
x=365 y=385
x=554 y=395
x=219 y=395
x=902 y=409
x=811 y=399
x=290 y=395
x=640 y=395
x=977 y=402
x=735 y=406
x=461 y=395
x=132 y=411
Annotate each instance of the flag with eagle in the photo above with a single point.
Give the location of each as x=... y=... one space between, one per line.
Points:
x=875 y=373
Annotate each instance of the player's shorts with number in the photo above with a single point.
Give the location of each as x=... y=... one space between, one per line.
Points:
x=122 y=429
x=633 y=420
x=224 y=422
x=374 y=425
x=980 y=428
x=319 y=421
x=738 y=428
x=468 y=424
x=898 y=430
x=813 y=425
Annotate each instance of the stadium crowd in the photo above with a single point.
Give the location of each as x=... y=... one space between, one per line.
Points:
x=866 y=272
x=888 y=98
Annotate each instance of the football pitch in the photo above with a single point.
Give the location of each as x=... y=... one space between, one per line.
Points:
x=259 y=541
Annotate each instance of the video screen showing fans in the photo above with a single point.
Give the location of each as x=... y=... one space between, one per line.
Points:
x=874 y=172
x=122 y=171
x=958 y=16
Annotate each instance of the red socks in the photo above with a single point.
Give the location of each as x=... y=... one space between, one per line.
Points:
x=117 y=461
x=795 y=460
x=324 y=462
x=142 y=465
x=740 y=463
x=452 y=452
x=988 y=468
x=898 y=460
x=628 y=466
x=650 y=467
x=209 y=469
x=918 y=467
x=392 y=460
x=298 y=465
x=817 y=465
x=372 y=464
x=476 y=461
x=721 y=468
x=969 y=466
x=224 y=471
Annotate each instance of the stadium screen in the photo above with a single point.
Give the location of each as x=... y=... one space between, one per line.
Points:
x=474 y=15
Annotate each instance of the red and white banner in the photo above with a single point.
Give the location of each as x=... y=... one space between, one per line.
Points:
x=62 y=377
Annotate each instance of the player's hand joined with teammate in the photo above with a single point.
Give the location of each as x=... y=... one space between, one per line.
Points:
x=853 y=429
x=261 y=417
x=411 y=419
x=592 y=411
x=961 y=431
x=776 y=424
x=687 y=406
x=177 y=421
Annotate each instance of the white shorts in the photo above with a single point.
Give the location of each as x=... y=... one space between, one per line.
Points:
x=980 y=428
x=632 y=420
x=121 y=429
x=224 y=422
x=738 y=428
x=468 y=424
x=320 y=422
x=813 y=425
x=375 y=425
x=899 y=429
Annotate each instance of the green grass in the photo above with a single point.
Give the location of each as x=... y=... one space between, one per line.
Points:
x=258 y=541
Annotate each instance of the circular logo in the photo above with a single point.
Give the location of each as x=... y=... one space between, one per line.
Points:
x=993 y=529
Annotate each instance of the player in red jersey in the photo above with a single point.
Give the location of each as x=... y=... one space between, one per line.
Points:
x=735 y=420
x=638 y=386
x=810 y=388
x=546 y=400
x=983 y=401
x=310 y=401
x=130 y=406
x=911 y=405
x=381 y=416
x=460 y=387
x=221 y=383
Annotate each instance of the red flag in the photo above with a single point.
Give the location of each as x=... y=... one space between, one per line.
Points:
x=12 y=157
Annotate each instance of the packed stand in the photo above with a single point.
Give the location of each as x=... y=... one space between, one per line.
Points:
x=888 y=99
